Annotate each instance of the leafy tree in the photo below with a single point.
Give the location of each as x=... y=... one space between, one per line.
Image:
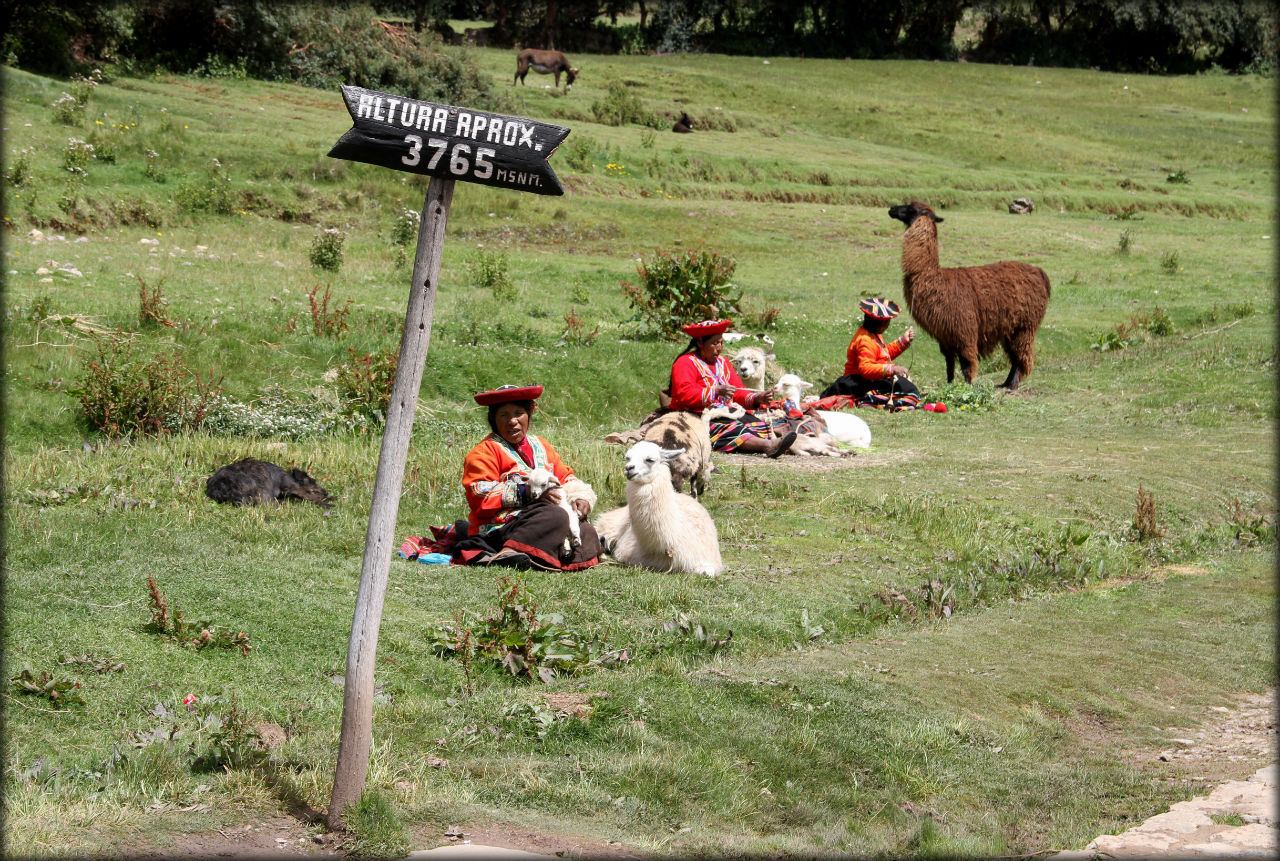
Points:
x=61 y=38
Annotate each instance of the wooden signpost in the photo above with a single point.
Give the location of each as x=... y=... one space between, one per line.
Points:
x=448 y=144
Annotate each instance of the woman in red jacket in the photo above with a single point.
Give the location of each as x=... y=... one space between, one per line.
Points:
x=702 y=379
x=869 y=363
x=506 y=526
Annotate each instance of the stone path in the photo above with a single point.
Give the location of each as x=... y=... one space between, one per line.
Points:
x=1238 y=819
x=1235 y=820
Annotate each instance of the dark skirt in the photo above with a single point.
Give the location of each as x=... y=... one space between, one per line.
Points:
x=535 y=537
x=858 y=387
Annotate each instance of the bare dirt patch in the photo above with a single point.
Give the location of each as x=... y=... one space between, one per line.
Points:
x=1157 y=575
x=279 y=836
x=527 y=840
x=1234 y=742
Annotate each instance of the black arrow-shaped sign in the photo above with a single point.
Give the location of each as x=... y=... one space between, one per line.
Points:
x=449 y=142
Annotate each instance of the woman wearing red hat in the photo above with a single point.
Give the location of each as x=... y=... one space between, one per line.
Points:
x=701 y=379
x=869 y=363
x=506 y=526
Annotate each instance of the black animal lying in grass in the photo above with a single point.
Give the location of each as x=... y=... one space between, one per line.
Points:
x=256 y=482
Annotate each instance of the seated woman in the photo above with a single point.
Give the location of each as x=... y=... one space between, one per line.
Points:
x=870 y=376
x=505 y=526
x=701 y=379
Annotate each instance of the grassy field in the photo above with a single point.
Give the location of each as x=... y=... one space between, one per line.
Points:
x=965 y=640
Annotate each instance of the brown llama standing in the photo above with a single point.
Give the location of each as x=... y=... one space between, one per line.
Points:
x=969 y=310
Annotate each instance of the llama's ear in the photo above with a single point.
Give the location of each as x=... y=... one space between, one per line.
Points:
x=937 y=219
x=805 y=384
x=770 y=357
x=671 y=453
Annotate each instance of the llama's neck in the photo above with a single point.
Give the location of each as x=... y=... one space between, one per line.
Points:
x=919 y=255
x=652 y=503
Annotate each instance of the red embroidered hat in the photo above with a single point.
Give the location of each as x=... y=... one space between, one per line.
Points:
x=881 y=309
x=707 y=327
x=508 y=393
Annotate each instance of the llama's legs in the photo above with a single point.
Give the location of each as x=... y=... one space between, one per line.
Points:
x=969 y=365
x=951 y=365
x=1021 y=351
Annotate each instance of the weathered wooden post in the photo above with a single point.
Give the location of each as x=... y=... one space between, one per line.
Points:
x=446 y=143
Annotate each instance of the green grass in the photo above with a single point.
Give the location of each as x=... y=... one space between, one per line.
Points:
x=1024 y=720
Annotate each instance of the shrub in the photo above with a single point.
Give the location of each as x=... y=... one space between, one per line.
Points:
x=959 y=395
x=365 y=382
x=352 y=46
x=1145 y=525
x=579 y=152
x=1159 y=323
x=1178 y=177
x=620 y=107
x=575 y=331
x=1169 y=262
x=489 y=270
x=199 y=634
x=152 y=169
x=680 y=287
x=404 y=230
x=758 y=322
x=18 y=171
x=120 y=394
x=105 y=146
x=76 y=155
x=328 y=323
x=210 y=194
x=59 y=692
x=516 y=638
x=1125 y=242
x=203 y=733
x=151 y=304
x=326 y=249
x=67 y=110
x=278 y=413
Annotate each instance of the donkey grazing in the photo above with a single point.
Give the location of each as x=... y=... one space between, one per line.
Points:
x=545 y=63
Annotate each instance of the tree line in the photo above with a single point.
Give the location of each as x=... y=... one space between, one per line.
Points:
x=263 y=37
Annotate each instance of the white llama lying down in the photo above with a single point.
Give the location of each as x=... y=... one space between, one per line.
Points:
x=842 y=427
x=543 y=481
x=659 y=528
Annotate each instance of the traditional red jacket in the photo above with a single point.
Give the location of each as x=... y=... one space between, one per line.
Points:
x=693 y=384
x=869 y=356
x=489 y=479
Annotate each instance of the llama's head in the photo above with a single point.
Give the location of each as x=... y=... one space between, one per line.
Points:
x=540 y=481
x=571 y=76
x=646 y=460
x=750 y=363
x=909 y=212
x=791 y=388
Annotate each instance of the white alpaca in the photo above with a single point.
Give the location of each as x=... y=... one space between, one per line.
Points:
x=751 y=363
x=659 y=528
x=842 y=427
x=543 y=481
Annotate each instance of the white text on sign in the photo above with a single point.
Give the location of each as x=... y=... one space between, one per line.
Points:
x=429 y=118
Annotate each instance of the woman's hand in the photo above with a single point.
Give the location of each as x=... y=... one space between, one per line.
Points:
x=908 y=336
x=725 y=391
x=582 y=507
